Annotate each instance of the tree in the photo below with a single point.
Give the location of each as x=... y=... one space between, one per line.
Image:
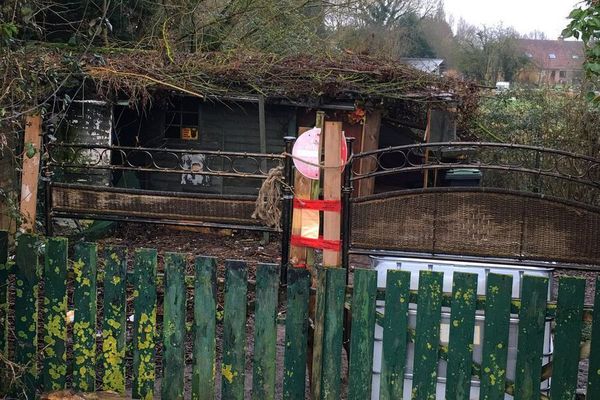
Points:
x=585 y=25
x=389 y=28
x=487 y=54
x=535 y=35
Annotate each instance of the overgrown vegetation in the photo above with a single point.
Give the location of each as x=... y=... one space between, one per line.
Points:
x=555 y=118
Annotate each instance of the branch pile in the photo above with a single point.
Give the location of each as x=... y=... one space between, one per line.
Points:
x=135 y=73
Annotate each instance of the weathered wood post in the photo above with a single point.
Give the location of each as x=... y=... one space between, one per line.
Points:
x=31 y=170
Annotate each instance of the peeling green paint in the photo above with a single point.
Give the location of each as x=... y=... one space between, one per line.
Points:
x=84 y=326
x=144 y=324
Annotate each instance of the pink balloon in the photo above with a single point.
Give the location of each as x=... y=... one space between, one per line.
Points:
x=306 y=148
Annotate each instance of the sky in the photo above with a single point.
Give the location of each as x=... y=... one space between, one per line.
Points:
x=548 y=16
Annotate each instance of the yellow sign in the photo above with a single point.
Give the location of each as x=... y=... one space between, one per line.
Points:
x=189 y=133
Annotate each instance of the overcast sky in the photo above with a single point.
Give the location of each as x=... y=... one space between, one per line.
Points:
x=548 y=16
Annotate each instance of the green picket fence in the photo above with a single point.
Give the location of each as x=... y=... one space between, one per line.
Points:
x=576 y=327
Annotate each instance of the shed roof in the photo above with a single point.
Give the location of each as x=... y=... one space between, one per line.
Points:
x=299 y=77
x=554 y=54
x=429 y=65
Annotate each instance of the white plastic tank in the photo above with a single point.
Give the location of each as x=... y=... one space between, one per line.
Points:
x=414 y=265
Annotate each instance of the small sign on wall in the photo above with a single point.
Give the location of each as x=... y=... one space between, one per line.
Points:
x=189 y=133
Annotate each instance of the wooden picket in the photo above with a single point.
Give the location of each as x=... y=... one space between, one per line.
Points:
x=84 y=324
x=27 y=275
x=3 y=307
x=144 y=324
x=174 y=327
x=234 y=331
x=205 y=312
x=296 y=334
x=495 y=340
x=115 y=318
x=50 y=370
x=428 y=335
x=462 y=328
x=54 y=372
x=395 y=335
x=593 y=384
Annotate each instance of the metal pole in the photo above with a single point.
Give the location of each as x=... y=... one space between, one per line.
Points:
x=286 y=214
x=346 y=210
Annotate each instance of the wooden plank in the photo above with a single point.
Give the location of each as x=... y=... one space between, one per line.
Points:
x=31 y=169
x=296 y=334
x=534 y=293
x=234 y=331
x=174 y=327
x=395 y=334
x=115 y=314
x=462 y=326
x=363 y=330
x=3 y=307
x=55 y=310
x=265 y=332
x=593 y=384
x=332 y=333
x=370 y=141
x=302 y=186
x=27 y=274
x=205 y=309
x=495 y=339
x=84 y=323
x=144 y=323
x=332 y=190
x=567 y=336
x=428 y=335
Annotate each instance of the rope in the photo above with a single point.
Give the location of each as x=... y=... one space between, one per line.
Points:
x=267 y=207
x=269 y=196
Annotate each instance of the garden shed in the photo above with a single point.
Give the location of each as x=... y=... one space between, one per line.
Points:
x=188 y=139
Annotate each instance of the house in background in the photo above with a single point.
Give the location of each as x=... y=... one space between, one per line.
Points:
x=436 y=66
x=552 y=62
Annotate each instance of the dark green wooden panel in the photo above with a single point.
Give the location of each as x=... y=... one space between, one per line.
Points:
x=296 y=334
x=567 y=336
x=593 y=386
x=234 y=331
x=144 y=323
x=3 y=307
x=84 y=325
x=55 y=310
x=265 y=332
x=332 y=333
x=318 y=280
x=462 y=326
x=115 y=314
x=495 y=339
x=27 y=274
x=395 y=334
x=534 y=293
x=428 y=335
x=363 y=330
x=174 y=327
x=205 y=308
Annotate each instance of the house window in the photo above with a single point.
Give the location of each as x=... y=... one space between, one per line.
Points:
x=552 y=56
x=562 y=74
x=181 y=119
